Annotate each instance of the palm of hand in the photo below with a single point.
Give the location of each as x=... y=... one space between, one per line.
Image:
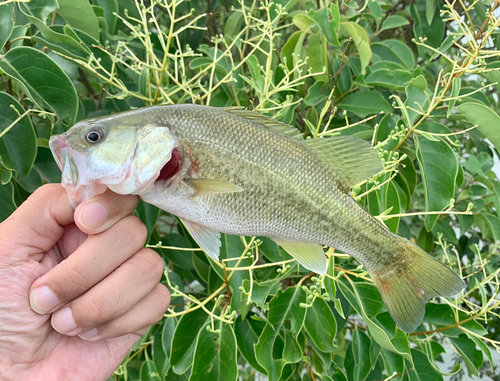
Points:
x=29 y=339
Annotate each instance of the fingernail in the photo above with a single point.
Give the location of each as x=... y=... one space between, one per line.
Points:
x=62 y=321
x=93 y=215
x=42 y=300
x=91 y=333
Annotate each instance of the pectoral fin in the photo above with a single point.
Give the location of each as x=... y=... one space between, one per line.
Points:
x=205 y=187
x=207 y=239
x=309 y=255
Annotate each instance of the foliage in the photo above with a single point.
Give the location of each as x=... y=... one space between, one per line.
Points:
x=419 y=79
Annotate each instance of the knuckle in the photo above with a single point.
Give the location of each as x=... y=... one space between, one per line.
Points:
x=150 y=265
x=140 y=232
x=164 y=296
x=47 y=190
x=74 y=283
x=131 y=232
x=95 y=313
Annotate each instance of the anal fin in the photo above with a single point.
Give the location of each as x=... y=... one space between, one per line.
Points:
x=309 y=255
x=207 y=239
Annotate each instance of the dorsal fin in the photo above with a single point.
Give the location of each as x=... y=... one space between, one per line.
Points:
x=265 y=121
x=352 y=158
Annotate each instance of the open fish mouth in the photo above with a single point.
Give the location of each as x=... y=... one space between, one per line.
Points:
x=72 y=164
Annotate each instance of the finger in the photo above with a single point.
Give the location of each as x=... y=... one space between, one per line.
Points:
x=148 y=311
x=39 y=222
x=95 y=259
x=113 y=296
x=103 y=211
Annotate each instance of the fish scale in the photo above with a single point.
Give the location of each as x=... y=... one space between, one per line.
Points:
x=243 y=173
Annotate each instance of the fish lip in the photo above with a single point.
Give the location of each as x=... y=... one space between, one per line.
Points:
x=57 y=144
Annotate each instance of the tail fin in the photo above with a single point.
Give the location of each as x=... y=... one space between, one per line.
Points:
x=411 y=283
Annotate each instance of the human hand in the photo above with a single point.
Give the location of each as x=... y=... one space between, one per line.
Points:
x=94 y=288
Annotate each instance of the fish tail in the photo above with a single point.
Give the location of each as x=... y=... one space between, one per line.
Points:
x=411 y=282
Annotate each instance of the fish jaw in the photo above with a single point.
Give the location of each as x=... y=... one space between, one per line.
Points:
x=72 y=164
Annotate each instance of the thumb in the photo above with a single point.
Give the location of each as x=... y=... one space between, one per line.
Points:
x=39 y=222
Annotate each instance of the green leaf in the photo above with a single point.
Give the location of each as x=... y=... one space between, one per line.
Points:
x=233 y=247
x=247 y=335
x=303 y=22
x=392 y=200
x=455 y=90
x=430 y=10
x=317 y=53
x=433 y=32
x=393 y=364
x=328 y=25
x=407 y=179
x=167 y=334
x=6 y=23
x=215 y=356
x=390 y=79
x=486 y=119
x=422 y=370
x=364 y=103
x=361 y=345
x=290 y=47
x=110 y=7
x=375 y=10
x=184 y=340
x=397 y=342
x=42 y=80
x=178 y=257
x=438 y=168
x=472 y=357
x=321 y=326
x=160 y=358
x=316 y=94
x=149 y=371
x=41 y=8
x=80 y=15
x=394 y=51
x=45 y=170
x=149 y=216
x=17 y=146
x=7 y=204
x=284 y=306
x=392 y=22
x=416 y=103
x=361 y=41
x=419 y=82
x=442 y=315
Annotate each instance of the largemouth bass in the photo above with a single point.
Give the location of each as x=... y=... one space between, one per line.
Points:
x=238 y=172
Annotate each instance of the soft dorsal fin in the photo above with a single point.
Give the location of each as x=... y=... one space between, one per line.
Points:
x=352 y=158
x=309 y=255
x=205 y=187
x=265 y=121
x=207 y=239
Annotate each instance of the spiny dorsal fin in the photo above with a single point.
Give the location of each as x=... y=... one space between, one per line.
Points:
x=205 y=187
x=265 y=121
x=352 y=158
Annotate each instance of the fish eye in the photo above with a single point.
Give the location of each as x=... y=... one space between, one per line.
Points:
x=94 y=136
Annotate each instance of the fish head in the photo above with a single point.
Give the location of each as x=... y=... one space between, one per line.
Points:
x=101 y=153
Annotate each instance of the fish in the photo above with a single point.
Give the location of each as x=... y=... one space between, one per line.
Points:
x=238 y=172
